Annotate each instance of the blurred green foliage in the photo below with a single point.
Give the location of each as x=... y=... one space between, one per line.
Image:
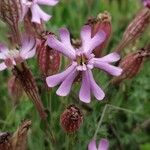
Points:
x=124 y=130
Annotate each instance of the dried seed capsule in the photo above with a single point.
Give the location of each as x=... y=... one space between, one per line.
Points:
x=102 y=22
x=11 y=13
x=131 y=65
x=26 y=79
x=71 y=119
x=135 y=28
x=17 y=140
x=15 y=89
x=48 y=59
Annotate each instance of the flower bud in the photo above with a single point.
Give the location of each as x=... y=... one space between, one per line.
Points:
x=102 y=22
x=135 y=28
x=131 y=65
x=15 y=89
x=71 y=119
x=48 y=59
x=10 y=13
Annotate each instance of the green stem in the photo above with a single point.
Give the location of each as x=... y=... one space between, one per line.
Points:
x=103 y=114
x=119 y=108
x=100 y=121
x=9 y=116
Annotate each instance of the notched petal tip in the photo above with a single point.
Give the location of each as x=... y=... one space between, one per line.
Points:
x=63 y=30
x=101 y=96
x=60 y=93
x=65 y=36
x=48 y=81
x=86 y=27
x=86 y=32
x=84 y=100
x=116 y=55
x=103 y=144
x=92 y=145
x=48 y=2
x=118 y=71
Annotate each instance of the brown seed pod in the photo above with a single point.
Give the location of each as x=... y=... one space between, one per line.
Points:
x=71 y=119
x=131 y=65
x=15 y=89
x=101 y=22
x=10 y=13
x=17 y=140
x=135 y=29
x=48 y=59
x=27 y=81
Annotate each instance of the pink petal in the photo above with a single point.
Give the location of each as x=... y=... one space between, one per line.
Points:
x=3 y=48
x=88 y=43
x=38 y=14
x=3 y=51
x=96 y=90
x=65 y=87
x=112 y=57
x=30 y=54
x=59 y=46
x=103 y=144
x=85 y=93
x=58 y=78
x=85 y=34
x=115 y=71
x=65 y=38
x=28 y=48
x=98 y=39
x=2 y=56
x=92 y=145
x=47 y=2
x=28 y=42
x=2 y=66
x=24 y=11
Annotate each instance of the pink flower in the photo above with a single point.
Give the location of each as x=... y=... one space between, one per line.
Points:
x=37 y=13
x=103 y=145
x=83 y=61
x=146 y=3
x=16 y=56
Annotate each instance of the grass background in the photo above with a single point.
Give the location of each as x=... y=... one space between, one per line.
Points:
x=124 y=130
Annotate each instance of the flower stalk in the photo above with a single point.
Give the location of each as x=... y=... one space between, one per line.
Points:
x=107 y=106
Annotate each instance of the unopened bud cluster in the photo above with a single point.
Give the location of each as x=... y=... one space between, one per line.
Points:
x=71 y=119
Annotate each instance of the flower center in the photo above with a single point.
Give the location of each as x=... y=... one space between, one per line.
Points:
x=13 y=53
x=81 y=60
